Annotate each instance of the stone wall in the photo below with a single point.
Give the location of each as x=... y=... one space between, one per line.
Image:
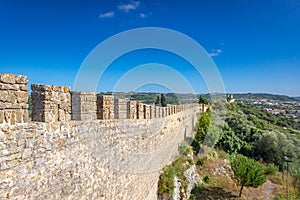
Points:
x=87 y=159
x=54 y=157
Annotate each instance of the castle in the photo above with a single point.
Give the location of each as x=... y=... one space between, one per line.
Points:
x=81 y=145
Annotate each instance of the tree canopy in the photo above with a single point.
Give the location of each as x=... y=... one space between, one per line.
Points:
x=203 y=100
x=247 y=172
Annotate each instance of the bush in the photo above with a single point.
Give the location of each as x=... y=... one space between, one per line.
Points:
x=271 y=169
x=200 y=162
x=166 y=179
x=206 y=179
x=183 y=149
x=195 y=191
x=190 y=160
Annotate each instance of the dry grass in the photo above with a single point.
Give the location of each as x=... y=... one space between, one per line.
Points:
x=221 y=185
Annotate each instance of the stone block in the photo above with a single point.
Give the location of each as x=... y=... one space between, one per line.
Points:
x=8 y=78
x=22 y=79
x=26 y=153
x=1 y=116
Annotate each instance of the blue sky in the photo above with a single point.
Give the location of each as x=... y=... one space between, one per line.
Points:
x=255 y=44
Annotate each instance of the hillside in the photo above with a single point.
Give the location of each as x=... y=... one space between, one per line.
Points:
x=188 y=98
x=297 y=98
x=248 y=131
x=264 y=96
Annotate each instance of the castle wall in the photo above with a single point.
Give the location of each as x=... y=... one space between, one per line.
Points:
x=54 y=157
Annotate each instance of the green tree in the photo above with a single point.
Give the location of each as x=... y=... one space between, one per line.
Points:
x=163 y=100
x=273 y=146
x=229 y=142
x=247 y=172
x=203 y=100
x=202 y=128
x=157 y=102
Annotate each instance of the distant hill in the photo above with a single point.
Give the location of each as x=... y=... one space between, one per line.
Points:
x=175 y=98
x=150 y=98
x=264 y=96
x=297 y=98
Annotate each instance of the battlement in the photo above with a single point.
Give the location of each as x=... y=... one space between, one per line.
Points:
x=58 y=104
x=84 y=145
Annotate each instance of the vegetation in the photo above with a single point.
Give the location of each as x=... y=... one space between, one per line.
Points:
x=177 y=168
x=163 y=101
x=202 y=100
x=247 y=172
x=157 y=102
x=202 y=129
x=166 y=179
x=249 y=134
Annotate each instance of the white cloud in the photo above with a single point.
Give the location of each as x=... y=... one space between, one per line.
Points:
x=215 y=52
x=142 y=15
x=128 y=7
x=107 y=15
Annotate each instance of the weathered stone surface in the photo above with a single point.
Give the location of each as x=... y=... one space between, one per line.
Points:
x=84 y=106
x=1 y=116
x=140 y=110
x=8 y=78
x=120 y=108
x=72 y=159
x=50 y=103
x=22 y=80
x=132 y=109
x=105 y=106
x=13 y=100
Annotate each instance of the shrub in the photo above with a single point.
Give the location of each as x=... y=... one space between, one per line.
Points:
x=190 y=160
x=200 y=162
x=166 y=179
x=183 y=149
x=206 y=179
x=271 y=169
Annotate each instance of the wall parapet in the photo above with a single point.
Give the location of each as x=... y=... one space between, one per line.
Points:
x=58 y=103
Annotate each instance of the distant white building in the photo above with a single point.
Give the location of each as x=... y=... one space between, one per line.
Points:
x=230 y=98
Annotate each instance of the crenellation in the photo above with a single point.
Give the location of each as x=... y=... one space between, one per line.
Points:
x=152 y=111
x=140 y=110
x=13 y=99
x=121 y=108
x=146 y=112
x=50 y=103
x=105 y=106
x=84 y=106
x=132 y=109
